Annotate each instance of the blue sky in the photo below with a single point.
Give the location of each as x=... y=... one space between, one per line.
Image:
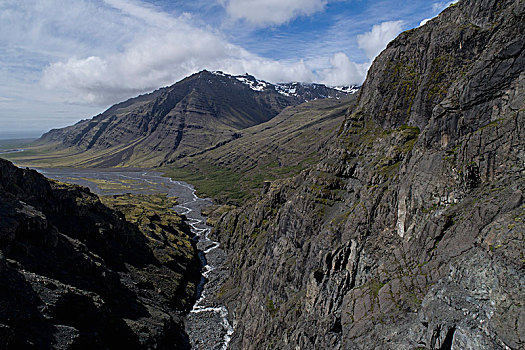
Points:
x=63 y=60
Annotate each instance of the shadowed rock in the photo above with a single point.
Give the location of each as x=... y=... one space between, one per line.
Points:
x=76 y=274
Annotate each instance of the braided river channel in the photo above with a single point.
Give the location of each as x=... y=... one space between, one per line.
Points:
x=207 y=323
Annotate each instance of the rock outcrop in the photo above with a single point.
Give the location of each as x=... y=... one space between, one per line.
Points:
x=410 y=233
x=75 y=274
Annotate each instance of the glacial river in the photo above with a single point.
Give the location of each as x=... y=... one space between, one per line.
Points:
x=207 y=323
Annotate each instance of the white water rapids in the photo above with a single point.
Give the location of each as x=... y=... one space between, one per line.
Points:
x=206 y=245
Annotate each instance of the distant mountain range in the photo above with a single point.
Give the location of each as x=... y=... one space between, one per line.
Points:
x=202 y=111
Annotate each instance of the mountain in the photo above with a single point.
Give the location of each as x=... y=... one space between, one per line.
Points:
x=75 y=274
x=200 y=111
x=408 y=233
x=280 y=147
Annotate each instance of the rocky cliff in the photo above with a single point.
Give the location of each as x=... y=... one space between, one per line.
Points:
x=75 y=274
x=410 y=233
x=202 y=111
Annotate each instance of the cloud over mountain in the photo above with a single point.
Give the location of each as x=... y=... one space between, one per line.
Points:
x=78 y=57
x=272 y=12
x=170 y=48
x=374 y=41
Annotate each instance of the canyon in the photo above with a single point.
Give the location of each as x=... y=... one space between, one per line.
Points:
x=390 y=216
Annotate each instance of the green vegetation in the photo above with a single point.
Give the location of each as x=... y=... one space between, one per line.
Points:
x=438 y=84
x=405 y=79
x=366 y=139
x=451 y=154
x=157 y=221
x=492 y=124
x=374 y=288
x=410 y=135
x=213 y=213
x=210 y=180
x=114 y=185
x=233 y=186
x=272 y=309
x=389 y=170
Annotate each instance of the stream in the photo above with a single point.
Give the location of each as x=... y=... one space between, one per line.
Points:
x=207 y=324
x=6 y=151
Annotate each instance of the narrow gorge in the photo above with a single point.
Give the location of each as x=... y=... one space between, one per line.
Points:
x=207 y=324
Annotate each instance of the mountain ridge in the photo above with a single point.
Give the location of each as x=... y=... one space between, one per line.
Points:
x=201 y=111
x=280 y=147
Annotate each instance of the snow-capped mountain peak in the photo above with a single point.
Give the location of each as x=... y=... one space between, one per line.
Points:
x=306 y=91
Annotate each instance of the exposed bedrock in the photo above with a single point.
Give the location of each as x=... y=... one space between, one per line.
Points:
x=410 y=233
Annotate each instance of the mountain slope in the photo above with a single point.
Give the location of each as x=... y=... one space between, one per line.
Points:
x=75 y=274
x=281 y=147
x=409 y=233
x=201 y=111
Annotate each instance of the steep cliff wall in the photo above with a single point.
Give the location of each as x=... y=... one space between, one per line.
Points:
x=75 y=274
x=409 y=234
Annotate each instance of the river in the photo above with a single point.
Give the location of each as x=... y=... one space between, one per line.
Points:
x=207 y=323
x=7 y=151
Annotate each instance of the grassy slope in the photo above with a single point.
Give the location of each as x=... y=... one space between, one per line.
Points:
x=282 y=147
x=15 y=143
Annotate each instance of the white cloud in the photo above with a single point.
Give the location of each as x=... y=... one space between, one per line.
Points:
x=375 y=41
x=159 y=58
x=170 y=49
x=272 y=12
x=343 y=71
x=423 y=22
x=84 y=55
x=141 y=11
x=440 y=6
x=156 y=58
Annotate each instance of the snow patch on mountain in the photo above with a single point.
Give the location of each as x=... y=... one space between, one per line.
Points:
x=254 y=84
x=351 y=89
x=289 y=89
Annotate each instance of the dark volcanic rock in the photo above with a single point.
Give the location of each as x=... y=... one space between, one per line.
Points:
x=409 y=234
x=76 y=274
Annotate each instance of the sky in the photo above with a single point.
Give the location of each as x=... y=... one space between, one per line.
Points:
x=66 y=60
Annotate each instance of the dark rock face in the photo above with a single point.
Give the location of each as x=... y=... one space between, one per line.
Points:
x=409 y=234
x=204 y=110
x=75 y=274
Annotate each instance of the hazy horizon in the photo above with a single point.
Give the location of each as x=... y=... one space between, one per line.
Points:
x=20 y=135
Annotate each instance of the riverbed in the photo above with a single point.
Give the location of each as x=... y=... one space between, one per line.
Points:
x=207 y=323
